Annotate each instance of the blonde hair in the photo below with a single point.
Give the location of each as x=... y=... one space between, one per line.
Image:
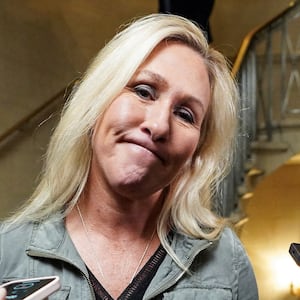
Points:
x=188 y=203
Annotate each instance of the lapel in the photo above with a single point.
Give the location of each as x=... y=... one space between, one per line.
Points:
x=50 y=239
x=169 y=272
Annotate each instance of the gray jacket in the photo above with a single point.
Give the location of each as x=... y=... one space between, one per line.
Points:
x=220 y=270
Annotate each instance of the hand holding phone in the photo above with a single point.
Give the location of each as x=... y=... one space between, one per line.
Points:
x=31 y=288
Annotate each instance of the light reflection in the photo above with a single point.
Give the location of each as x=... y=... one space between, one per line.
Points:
x=286 y=273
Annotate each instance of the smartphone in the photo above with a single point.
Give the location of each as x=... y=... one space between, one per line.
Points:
x=31 y=288
x=295 y=252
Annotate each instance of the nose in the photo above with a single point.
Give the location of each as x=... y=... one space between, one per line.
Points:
x=157 y=122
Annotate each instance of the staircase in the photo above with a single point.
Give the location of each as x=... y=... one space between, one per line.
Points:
x=267 y=70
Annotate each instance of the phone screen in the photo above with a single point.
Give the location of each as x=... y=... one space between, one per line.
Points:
x=20 y=290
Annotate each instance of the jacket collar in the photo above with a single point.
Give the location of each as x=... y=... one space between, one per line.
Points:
x=50 y=239
x=169 y=272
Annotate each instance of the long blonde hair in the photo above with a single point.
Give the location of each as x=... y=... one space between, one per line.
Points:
x=188 y=205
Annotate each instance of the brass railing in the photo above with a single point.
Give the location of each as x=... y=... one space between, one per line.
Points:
x=267 y=71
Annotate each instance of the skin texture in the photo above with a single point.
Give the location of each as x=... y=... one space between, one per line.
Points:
x=147 y=134
x=2 y=294
x=153 y=127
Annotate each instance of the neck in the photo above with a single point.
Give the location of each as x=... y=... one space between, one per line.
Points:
x=120 y=217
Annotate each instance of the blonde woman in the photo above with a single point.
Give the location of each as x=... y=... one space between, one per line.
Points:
x=124 y=207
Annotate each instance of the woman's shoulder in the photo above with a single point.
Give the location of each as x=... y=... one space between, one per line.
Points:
x=17 y=238
x=13 y=242
x=228 y=252
x=13 y=237
x=229 y=236
x=231 y=254
x=31 y=228
x=10 y=230
x=228 y=242
x=222 y=264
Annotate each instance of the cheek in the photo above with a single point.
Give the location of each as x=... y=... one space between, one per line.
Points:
x=119 y=114
x=187 y=145
x=122 y=112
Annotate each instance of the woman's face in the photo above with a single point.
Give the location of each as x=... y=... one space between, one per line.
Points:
x=153 y=127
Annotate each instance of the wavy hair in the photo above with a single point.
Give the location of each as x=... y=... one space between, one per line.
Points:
x=188 y=204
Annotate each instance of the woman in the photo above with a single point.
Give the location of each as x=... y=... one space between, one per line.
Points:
x=124 y=205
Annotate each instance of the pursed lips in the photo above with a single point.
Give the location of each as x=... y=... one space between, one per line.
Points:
x=148 y=145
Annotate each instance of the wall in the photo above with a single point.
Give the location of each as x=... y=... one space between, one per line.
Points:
x=46 y=44
x=232 y=19
x=274 y=223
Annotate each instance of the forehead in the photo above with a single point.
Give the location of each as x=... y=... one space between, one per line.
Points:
x=177 y=66
x=169 y=45
x=176 y=54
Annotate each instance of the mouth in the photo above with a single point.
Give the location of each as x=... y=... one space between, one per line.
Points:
x=149 y=147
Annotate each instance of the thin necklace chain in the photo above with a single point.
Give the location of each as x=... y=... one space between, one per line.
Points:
x=94 y=251
x=89 y=241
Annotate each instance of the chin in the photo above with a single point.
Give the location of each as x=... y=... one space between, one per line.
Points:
x=137 y=186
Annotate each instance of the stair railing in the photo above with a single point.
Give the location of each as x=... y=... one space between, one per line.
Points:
x=38 y=114
x=267 y=71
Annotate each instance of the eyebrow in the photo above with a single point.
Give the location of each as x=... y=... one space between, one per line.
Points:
x=154 y=76
x=163 y=82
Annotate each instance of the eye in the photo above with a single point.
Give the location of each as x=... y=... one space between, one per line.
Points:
x=145 y=91
x=185 y=114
